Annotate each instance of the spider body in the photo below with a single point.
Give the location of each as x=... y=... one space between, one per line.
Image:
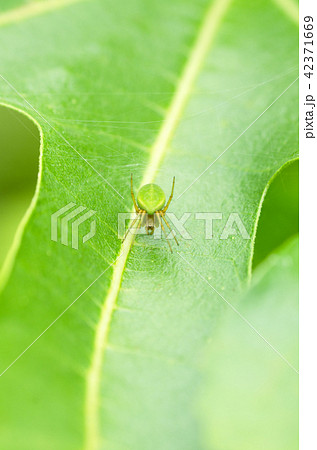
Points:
x=149 y=222
x=150 y=208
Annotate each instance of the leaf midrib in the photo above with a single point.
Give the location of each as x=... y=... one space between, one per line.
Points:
x=23 y=12
x=205 y=36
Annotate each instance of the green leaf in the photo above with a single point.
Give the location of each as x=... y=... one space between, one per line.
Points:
x=250 y=390
x=156 y=88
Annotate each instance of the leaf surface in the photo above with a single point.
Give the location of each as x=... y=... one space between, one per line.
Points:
x=159 y=89
x=251 y=390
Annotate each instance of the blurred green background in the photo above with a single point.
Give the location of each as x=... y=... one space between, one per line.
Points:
x=19 y=156
x=279 y=215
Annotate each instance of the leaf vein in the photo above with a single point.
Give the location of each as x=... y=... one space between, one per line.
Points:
x=197 y=56
x=32 y=10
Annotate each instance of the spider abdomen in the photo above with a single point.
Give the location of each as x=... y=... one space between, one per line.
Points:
x=151 y=198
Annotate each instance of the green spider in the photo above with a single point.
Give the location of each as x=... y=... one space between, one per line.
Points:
x=150 y=209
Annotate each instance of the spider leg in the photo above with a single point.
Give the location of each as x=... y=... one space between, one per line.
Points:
x=168 y=226
x=133 y=198
x=164 y=231
x=170 y=199
x=138 y=217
